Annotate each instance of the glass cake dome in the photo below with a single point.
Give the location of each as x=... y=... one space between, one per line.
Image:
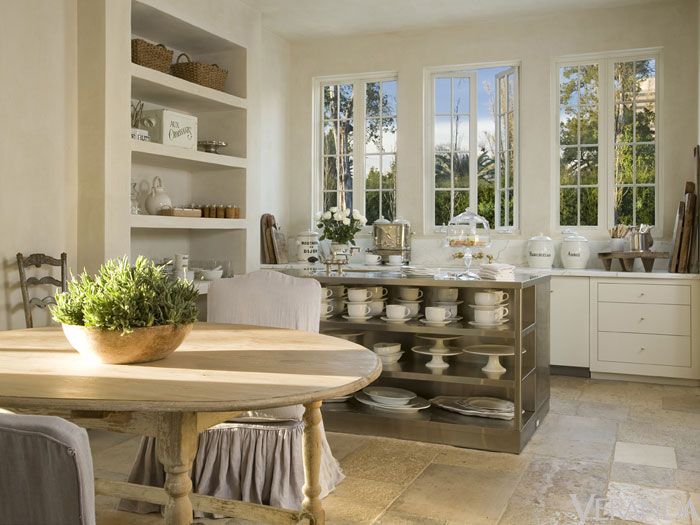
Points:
x=465 y=233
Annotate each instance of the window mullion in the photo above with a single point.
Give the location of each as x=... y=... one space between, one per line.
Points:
x=358 y=152
x=473 y=148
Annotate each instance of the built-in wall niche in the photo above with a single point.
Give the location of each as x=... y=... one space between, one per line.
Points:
x=218 y=187
x=160 y=244
x=159 y=27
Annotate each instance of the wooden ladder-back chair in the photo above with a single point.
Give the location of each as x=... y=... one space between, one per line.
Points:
x=38 y=260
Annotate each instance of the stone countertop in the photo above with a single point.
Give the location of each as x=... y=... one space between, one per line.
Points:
x=554 y=272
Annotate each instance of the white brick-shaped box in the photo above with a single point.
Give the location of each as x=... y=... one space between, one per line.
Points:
x=173 y=128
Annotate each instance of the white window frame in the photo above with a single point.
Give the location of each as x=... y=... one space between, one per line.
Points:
x=606 y=135
x=358 y=152
x=429 y=75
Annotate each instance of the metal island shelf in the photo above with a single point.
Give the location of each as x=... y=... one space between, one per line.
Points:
x=525 y=382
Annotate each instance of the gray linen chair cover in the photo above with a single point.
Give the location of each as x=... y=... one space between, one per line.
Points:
x=257 y=457
x=46 y=473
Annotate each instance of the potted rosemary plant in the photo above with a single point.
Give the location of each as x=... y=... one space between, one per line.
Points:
x=126 y=314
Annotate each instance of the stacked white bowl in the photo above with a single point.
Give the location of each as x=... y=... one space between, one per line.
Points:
x=389 y=353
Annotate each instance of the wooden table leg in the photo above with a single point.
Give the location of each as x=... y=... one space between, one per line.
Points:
x=176 y=445
x=312 y=463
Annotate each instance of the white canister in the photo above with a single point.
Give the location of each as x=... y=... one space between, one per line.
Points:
x=307 y=245
x=540 y=251
x=574 y=251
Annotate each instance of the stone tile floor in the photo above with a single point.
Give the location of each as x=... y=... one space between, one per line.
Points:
x=629 y=452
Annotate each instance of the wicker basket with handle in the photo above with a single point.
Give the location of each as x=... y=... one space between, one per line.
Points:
x=154 y=56
x=208 y=75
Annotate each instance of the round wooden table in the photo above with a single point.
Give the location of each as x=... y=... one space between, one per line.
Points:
x=219 y=371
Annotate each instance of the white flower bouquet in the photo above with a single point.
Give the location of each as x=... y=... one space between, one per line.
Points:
x=340 y=226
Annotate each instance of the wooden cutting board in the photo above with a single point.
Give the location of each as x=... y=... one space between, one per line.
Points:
x=677 y=233
x=267 y=222
x=279 y=246
x=688 y=229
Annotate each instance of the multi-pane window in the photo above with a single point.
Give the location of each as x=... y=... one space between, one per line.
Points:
x=370 y=105
x=380 y=150
x=506 y=158
x=472 y=137
x=337 y=144
x=578 y=145
x=607 y=166
x=451 y=145
x=635 y=141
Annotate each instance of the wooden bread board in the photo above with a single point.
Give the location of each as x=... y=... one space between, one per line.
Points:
x=181 y=212
x=279 y=246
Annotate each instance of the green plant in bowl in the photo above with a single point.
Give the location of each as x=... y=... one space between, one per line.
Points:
x=126 y=314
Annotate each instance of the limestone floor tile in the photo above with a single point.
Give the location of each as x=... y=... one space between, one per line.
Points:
x=458 y=494
x=357 y=500
x=394 y=460
x=579 y=428
x=103 y=439
x=550 y=482
x=644 y=475
x=402 y=518
x=479 y=459
x=694 y=507
x=685 y=403
x=687 y=480
x=516 y=514
x=677 y=436
x=616 y=412
x=664 y=417
x=117 y=459
x=343 y=444
x=688 y=458
x=641 y=454
x=548 y=444
x=622 y=392
x=558 y=405
x=647 y=505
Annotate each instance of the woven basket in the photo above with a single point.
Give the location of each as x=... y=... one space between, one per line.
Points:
x=154 y=56
x=208 y=75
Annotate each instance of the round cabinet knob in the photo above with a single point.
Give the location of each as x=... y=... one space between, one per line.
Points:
x=641 y=349
x=641 y=319
x=641 y=294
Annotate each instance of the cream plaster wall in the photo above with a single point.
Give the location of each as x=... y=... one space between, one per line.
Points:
x=38 y=150
x=535 y=42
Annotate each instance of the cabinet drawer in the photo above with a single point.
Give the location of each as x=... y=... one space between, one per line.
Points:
x=665 y=319
x=667 y=350
x=643 y=293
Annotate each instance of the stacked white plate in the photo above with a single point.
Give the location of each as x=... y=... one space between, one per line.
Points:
x=490 y=407
x=417 y=273
x=392 y=399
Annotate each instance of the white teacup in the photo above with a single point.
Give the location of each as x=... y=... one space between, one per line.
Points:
x=378 y=292
x=395 y=260
x=397 y=311
x=386 y=348
x=376 y=308
x=327 y=308
x=338 y=290
x=447 y=294
x=358 y=295
x=338 y=306
x=372 y=259
x=409 y=293
x=490 y=297
x=358 y=310
x=450 y=307
x=326 y=293
x=491 y=316
x=436 y=313
x=413 y=306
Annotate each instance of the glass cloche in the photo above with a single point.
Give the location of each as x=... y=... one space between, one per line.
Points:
x=466 y=233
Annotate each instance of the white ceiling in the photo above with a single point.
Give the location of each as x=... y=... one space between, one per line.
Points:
x=308 y=19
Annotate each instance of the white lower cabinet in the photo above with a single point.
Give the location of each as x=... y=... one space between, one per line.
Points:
x=569 y=338
x=645 y=327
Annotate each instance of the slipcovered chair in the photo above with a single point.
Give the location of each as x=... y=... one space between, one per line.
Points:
x=256 y=457
x=46 y=474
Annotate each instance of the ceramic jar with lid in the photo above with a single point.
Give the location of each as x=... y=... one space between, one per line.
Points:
x=575 y=251
x=307 y=245
x=540 y=251
x=157 y=199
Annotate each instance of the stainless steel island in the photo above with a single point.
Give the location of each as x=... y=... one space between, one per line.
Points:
x=525 y=381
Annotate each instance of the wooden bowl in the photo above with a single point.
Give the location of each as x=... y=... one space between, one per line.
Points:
x=139 y=346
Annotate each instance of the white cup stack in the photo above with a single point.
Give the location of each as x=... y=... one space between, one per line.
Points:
x=489 y=308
